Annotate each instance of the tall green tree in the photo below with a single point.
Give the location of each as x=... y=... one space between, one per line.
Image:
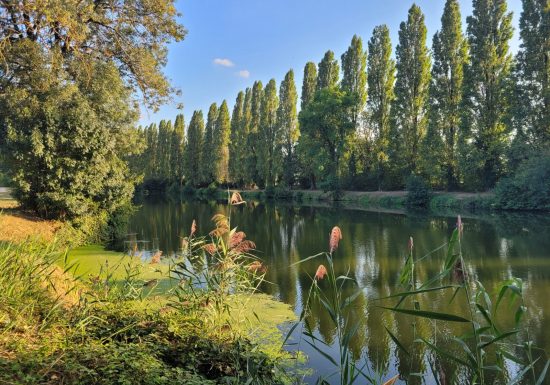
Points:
x=327 y=126
x=409 y=110
x=309 y=83
x=72 y=68
x=246 y=122
x=486 y=100
x=304 y=149
x=164 y=149
x=252 y=142
x=208 y=166
x=354 y=81
x=220 y=140
x=238 y=140
x=288 y=125
x=354 y=75
x=269 y=144
x=450 y=55
x=178 y=148
x=194 y=149
x=531 y=114
x=151 y=160
x=329 y=72
x=381 y=79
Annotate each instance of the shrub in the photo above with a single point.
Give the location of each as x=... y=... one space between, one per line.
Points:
x=528 y=188
x=418 y=192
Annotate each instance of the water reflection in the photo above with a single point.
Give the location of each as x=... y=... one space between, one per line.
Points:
x=374 y=244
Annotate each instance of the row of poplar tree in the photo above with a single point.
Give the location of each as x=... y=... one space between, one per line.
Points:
x=462 y=115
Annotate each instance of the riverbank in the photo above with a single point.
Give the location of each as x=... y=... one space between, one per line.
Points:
x=364 y=199
x=91 y=315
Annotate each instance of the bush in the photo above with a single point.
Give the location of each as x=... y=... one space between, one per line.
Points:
x=528 y=188
x=418 y=192
x=188 y=190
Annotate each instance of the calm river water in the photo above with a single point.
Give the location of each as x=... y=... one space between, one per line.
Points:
x=373 y=249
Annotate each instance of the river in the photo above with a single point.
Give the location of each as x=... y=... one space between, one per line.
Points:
x=496 y=247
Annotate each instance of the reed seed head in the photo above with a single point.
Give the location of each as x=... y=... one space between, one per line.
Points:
x=335 y=237
x=320 y=273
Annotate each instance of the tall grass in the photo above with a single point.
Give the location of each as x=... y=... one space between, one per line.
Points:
x=490 y=349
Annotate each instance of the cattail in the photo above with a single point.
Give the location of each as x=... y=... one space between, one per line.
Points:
x=236 y=199
x=335 y=236
x=193 y=228
x=459 y=226
x=156 y=257
x=320 y=273
x=410 y=244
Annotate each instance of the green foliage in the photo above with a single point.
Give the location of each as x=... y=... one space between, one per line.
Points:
x=486 y=101
x=381 y=70
x=64 y=142
x=208 y=167
x=220 y=140
x=237 y=144
x=327 y=125
x=528 y=188
x=287 y=120
x=329 y=72
x=450 y=54
x=269 y=136
x=418 y=192
x=309 y=83
x=194 y=149
x=531 y=107
x=409 y=110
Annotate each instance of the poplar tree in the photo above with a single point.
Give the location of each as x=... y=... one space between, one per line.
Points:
x=207 y=164
x=485 y=134
x=151 y=169
x=245 y=125
x=309 y=83
x=269 y=138
x=450 y=55
x=411 y=93
x=237 y=140
x=194 y=149
x=304 y=148
x=329 y=72
x=178 y=146
x=288 y=126
x=354 y=75
x=164 y=149
x=381 y=79
x=252 y=144
x=220 y=140
x=532 y=72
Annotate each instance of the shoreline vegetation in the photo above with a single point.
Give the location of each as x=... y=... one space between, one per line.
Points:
x=77 y=314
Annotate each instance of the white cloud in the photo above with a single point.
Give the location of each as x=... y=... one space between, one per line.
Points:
x=244 y=74
x=223 y=62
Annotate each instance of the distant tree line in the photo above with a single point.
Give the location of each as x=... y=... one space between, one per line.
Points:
x=461 y=116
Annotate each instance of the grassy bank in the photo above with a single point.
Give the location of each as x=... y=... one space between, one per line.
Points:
x=91 y=315
x=374 y=199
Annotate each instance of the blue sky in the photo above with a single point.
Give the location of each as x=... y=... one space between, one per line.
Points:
x=232 y=43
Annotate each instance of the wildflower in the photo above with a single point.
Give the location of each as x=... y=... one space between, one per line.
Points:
x=193 y=228
x=410 y=245
x=320 y=273
x=236 y=199
x=335 y=236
